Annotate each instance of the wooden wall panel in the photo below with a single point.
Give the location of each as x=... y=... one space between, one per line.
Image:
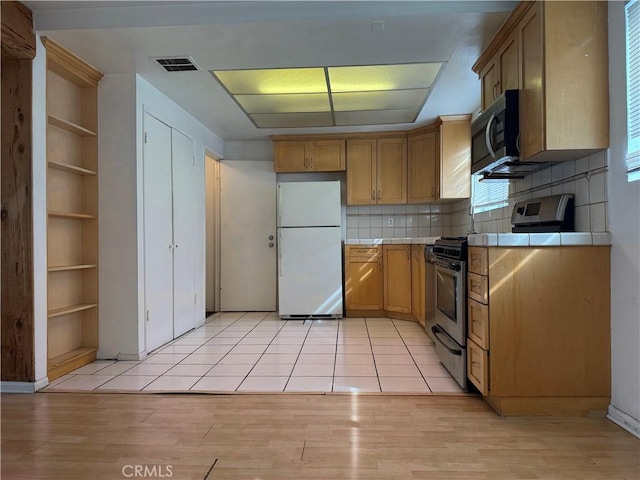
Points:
x=17 y=249
x=18 y=39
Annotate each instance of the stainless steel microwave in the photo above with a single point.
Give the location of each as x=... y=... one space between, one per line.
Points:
x=494 y=134
x=495 y=137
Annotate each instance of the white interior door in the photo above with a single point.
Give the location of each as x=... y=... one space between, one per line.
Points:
x=184 y=234
x=158 y=233
x=248 y=220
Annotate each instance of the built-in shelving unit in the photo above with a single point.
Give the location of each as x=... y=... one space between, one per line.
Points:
x=72 y=204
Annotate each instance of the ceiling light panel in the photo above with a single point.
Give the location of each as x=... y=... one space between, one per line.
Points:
x=330 y=96
x=383 y=77
x=292 y=120
x=375 y=117
x=381 y=100
x=286 y=103
x=275 y=81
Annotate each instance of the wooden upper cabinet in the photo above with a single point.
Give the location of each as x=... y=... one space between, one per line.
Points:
x=290 y=156
x=507 y=65
x=309 y=156
x=454 y=166
x=361 y=172
x=422 y=158
x=392 y=171
x=489 y=83
x=377 y=171
x=531 y=96
x=561 y=53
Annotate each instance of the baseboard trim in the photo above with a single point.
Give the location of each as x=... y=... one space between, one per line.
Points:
x=128 y=357
x=624 y=420
x=23 y=387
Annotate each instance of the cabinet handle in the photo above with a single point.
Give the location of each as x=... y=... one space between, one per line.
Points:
x=378 y=196
x=373 y=195
x=408 y=253
x=310 y=163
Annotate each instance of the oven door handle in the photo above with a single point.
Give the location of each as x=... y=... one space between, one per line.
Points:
x=445 y=264
x=436 y=330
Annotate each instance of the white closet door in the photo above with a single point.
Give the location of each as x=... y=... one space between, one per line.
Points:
x=158 y=233
x=184 y=266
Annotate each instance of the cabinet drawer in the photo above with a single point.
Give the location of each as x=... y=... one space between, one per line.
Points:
x=478 y=367
x=364 y=250
x=478 y=287
x=479 y=323
x=478 y=260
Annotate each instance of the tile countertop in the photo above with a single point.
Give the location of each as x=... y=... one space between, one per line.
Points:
x=539 y=239
x=395 y=241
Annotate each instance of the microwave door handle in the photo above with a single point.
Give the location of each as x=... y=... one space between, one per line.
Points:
x=487 y=136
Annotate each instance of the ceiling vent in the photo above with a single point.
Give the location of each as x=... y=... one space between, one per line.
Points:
x=177 y=64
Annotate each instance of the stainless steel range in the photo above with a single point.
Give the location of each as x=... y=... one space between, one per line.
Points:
x=449 y=324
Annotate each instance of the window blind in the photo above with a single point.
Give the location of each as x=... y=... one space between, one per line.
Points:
x=488 y=194
x=632 y=14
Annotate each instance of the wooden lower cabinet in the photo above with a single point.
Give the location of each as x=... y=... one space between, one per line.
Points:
x=397 y=278
x=386 y=280
x=418 y=289
x=548 y=346
x=363 y=278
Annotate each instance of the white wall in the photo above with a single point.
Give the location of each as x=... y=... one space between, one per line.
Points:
x=123 y=100
x=624 y=214
x=118 y=218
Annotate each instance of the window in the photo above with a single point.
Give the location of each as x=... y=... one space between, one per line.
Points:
x=632 y=16
x=488 y=194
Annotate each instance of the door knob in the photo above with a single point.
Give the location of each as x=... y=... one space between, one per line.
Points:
x=271 y=244
x=270 y=237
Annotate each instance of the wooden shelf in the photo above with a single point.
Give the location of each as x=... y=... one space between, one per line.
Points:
x=66 y=268
x=82 y=216
x=70 y=127
x=69 y=361
x=66 y=167
x=58 y=312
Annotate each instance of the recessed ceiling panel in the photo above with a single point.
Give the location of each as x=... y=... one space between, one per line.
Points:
x=382 y=77
x=292 y=120
x=281 y=80
x=381 y=100
x=286 y=103
x=375 y=117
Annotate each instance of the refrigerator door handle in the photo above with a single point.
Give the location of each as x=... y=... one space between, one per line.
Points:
x=279 y=205
x=279 y=252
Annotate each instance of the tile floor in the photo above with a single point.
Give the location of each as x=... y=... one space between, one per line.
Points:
x=259 y=352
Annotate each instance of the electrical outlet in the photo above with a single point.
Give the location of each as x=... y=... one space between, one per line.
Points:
x=390 y=222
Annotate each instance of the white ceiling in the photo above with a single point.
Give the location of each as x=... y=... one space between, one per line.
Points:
x=122 y=37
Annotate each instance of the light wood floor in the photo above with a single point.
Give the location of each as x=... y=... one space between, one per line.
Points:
x=302 y=437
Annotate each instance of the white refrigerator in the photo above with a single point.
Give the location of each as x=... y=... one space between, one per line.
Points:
x=309 y=250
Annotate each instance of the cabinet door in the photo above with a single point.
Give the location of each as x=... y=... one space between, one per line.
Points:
x=454 y=160
x=489 y=80
x=361 y=172
x=509 y=71
x=531 y=94
x=422 y=168
x=417 y=283
x=363 y=283
x=392 y=171
x=328 y=156
x=397 y=278
x=291 y=156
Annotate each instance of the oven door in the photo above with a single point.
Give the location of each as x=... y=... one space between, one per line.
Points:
x=450 y=298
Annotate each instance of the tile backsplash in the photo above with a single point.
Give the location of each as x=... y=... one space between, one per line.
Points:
x=424 y=220
x=585 y=178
